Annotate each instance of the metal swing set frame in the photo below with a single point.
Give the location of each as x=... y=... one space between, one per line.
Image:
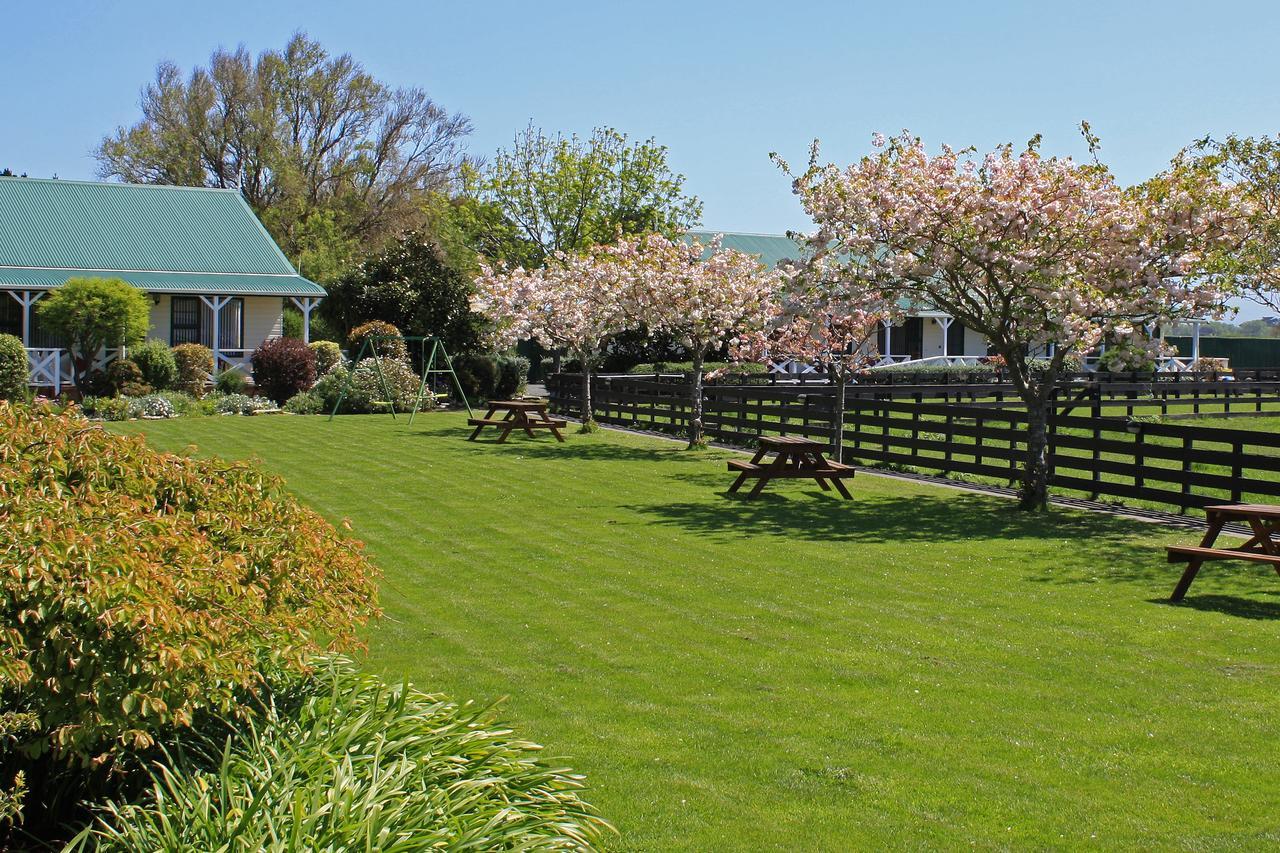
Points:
x=438 y=355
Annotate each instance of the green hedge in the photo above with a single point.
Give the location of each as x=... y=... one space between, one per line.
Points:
x=687 y=367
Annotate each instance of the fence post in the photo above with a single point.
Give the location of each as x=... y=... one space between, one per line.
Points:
x=1237 y=470
x=1096 y=472
x=915 y=426
x=977 y=439
x=1139 y=457
x=1187 y=444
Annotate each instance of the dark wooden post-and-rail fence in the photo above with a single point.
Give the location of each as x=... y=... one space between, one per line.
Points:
x=1104 y=437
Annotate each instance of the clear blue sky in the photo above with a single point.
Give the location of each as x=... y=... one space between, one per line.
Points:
x=722 y=84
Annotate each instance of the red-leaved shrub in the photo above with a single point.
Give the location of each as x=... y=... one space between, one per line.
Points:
x=283 y=367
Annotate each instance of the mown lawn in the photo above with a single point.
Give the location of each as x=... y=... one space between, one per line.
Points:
x=920 y=667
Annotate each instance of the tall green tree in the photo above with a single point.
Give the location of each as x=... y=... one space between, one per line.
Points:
x=329 y=157
x=1253 y=166
x=564 y=194
x=413 y=285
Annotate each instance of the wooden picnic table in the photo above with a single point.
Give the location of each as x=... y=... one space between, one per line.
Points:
x=527 y=415
x=1262 y=547
x=795 y=458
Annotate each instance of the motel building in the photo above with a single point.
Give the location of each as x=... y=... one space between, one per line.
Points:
x=213 y=274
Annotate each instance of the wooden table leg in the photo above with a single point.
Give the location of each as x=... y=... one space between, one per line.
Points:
x=779 y=462
x=1193 y=566
x=523 y=419
x=476 y=431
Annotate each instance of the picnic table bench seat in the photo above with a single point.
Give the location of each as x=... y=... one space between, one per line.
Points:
x=795 y=458
x=526 y=415
x=828 y=471
x=1264 y=522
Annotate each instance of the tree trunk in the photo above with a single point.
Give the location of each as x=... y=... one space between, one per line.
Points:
x=696 y=437
x=588 y=408
x=1034 y=494
x=837 y=417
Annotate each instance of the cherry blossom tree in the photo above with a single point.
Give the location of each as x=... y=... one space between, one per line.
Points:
x=815 y=324
x=575 y=302
x=1036 y=253
x=703 y=295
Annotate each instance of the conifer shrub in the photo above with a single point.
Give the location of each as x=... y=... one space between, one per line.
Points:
x=156 y=362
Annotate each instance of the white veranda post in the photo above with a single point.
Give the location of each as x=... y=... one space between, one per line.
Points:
x=216 y=304
x=1195 y=341
x=26 y=298
x=944 y=323
x=306 y=305
x=888 y=340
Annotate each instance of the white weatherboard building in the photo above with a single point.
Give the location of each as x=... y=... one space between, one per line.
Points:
x=925 y=335
x=214 y=275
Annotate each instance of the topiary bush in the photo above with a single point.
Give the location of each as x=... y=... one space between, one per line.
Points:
x=328 y=356
x=14 y=369
x=142 y=589
x=155 y=360
x=230 y=381
x=306 y=403
x=369 y=761
x=283 y=367
x=123 y=376
x=513 y=376
x=478 y=375
x=195 y=366
x=395 y=348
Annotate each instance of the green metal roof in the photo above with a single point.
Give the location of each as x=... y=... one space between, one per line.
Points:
x=770 y=248
x=161 y=238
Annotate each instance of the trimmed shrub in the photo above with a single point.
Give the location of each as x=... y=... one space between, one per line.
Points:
x=185 y=405
x=369 y=761
x=283 y=367
x=231 y=381
x=106 y=408
x=513 y=376
x=143 y=588
x=306 y=403
x=155 y=360
x=125 y=377
x=478 y=375
x=13 y=369
x=386 y=349
x=195 y=364
x=707 y=367
x=241 y=404
x=328 y=356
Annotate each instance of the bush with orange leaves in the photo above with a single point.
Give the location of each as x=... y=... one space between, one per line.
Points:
x=141 y=589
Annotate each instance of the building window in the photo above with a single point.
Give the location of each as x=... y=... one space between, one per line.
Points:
x=184 y=320
x=10 y=315
x=191 y=322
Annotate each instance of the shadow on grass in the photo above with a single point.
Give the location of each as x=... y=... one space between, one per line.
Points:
x=809 y=513
x=1231 y=605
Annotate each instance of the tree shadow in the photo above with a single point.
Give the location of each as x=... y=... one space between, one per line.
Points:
x=820 y=516
x=1231 y=605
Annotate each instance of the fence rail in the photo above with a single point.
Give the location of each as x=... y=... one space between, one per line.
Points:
x=980 y=432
